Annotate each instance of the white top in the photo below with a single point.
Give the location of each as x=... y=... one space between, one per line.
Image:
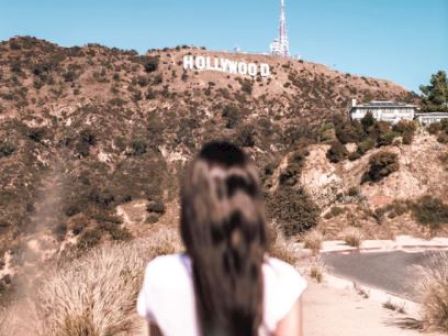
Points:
x=167 y=295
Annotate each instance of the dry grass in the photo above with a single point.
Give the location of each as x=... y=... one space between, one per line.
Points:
x=434 y=289
x=279 y=246
x=317 y=270
x=313 y=240
x=394 y=307
x=96 y=295
x=352 y=236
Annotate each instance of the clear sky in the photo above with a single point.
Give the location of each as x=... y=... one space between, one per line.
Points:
x=401 y=40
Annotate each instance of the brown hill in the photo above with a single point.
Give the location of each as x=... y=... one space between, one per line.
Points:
x=93 y=138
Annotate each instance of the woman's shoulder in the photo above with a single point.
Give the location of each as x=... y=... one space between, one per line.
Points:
x=284 y=277
x=281 y=268
x=167 y=267
x=283 y=287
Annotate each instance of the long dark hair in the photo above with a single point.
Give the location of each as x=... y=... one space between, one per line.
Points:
x=223 y=229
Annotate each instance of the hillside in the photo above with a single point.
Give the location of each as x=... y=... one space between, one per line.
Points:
x=93 y=140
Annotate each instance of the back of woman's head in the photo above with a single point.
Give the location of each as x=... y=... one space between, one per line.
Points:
x=222 y=226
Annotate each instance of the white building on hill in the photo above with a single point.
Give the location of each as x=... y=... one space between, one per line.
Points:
x=427 y=118
x=388 y=111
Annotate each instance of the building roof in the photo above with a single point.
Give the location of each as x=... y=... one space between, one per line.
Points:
x=380 y=104
x=384 y=103
x=432 y=114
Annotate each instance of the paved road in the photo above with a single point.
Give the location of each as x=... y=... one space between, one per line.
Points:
x=394 y=272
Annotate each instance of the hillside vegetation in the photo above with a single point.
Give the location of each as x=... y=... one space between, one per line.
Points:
x=93 y=141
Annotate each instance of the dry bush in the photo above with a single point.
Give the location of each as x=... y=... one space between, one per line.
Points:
x=317 y=270
x=434 y=293
x=279 y=246
x=96 y=295
x=313 y=240
x=352 y=236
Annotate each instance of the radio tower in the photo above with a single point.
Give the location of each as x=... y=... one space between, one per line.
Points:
x=280 y=46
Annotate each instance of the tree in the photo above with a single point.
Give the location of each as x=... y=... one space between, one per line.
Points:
x=368 y=121
x=435 y=95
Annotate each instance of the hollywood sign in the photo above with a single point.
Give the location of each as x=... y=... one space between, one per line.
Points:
x=220 y=64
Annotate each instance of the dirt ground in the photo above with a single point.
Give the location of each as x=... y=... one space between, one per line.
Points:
x=342 y=312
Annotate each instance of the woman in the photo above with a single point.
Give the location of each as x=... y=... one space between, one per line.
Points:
x=225 y=284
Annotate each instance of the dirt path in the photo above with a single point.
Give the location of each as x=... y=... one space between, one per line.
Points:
x=342 y=312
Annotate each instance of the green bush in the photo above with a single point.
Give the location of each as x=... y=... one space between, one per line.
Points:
x=337 y=152
x=366 y=145
x=386 y=139
x=381 y=164
x=349 y=131
x=430 y=211
x=368 y=121
x=293 y=209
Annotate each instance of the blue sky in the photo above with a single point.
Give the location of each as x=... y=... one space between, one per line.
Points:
x=401 y=40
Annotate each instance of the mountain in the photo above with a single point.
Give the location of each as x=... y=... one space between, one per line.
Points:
x=94 y=139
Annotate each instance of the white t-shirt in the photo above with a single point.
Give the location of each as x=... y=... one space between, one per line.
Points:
x=167 y=296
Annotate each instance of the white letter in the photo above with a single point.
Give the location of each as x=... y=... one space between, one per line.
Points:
x=252 y=69
x=216 y=64
x=188 y=62
x=208 y=64
x=229 y=66
x=200 y=62
x=242 y=68
x=265 y=70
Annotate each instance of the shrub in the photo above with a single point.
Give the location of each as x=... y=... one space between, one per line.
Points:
x=96 y=294
x=353 y=156
x=313 y=240
x=442 y=138
x=434 y=128
x=368 y=121
x=430 y=211
x=36 y=134
x=89 y=239
x=151 y=64
x=245 y=136
x=6 y=149
x=408 y=137
x=352 y=236
x=404 y=126
x=381 y=164
x=293 y=209
x=317 y=270
x=433 y=289
x=156 y=207
x=247 y=86
x=349 y=131
x=139 y=147
x=232 y=116
x=334 y=212
x=366 y=145
x=337 y=152
x=386 y=139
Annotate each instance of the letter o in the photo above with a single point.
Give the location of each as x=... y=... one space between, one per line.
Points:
x=252 y=69
x=242 y=68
